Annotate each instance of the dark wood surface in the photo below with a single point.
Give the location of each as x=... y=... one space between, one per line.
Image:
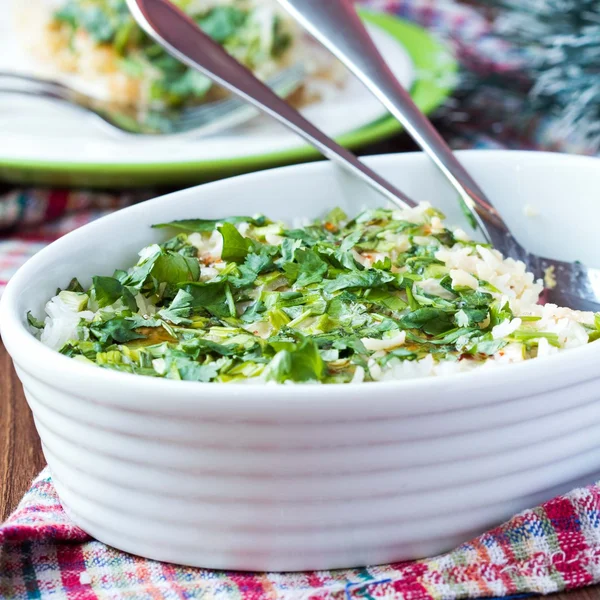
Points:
x=21 y=457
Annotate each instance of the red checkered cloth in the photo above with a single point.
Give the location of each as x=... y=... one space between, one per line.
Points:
x=551 y=548
x=32 y=218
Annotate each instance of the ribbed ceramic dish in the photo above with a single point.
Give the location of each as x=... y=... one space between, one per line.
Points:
x=313 y=477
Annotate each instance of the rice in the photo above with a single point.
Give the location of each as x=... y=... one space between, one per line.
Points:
x=492 y=301
x=99 y=69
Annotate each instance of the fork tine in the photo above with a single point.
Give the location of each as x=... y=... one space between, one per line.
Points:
x=203 y=119
x=217 y=110
x=214 y=110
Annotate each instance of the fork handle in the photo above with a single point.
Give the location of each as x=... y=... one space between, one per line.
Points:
x=29 y=85
x=338 y=27
x=182 y=38
x=39 y=82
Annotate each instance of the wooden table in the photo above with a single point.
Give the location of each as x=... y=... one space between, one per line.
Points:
x=21 y=456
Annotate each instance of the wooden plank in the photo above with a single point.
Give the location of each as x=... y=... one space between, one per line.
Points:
x=591 y=593
x=21 y=457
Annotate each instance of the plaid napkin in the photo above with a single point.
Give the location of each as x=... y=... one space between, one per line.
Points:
x=31 y=218
x=551 y=548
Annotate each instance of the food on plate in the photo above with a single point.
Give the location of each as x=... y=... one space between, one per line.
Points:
x=99 y=41
x=387 y=295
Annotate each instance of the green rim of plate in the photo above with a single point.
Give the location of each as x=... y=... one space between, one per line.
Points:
x=434 y=82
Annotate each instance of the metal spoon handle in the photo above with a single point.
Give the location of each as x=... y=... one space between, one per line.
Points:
x=182 y=38
x=337 y=26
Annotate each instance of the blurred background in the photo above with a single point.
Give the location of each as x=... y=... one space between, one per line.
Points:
x=491 y=74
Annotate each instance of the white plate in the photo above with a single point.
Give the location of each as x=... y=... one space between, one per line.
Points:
x=38 y=130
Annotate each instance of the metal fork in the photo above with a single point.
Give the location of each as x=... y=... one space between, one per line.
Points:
x=337 y=26
x=183 y=39
x=203 y=119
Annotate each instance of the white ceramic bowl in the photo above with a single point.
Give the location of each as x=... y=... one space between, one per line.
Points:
x=313 y=477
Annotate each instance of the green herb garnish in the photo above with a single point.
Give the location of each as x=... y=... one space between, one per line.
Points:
x=242 y=297
x=256 y=36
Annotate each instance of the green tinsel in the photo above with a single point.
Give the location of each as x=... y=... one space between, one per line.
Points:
x=559 y=48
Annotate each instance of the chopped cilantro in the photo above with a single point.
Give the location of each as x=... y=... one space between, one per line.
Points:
x=295 y=305
x=211 y=297
x=117 y=329
x=174 y=268
x=301 y=362
x=358 y=279
x=107 y=290
x=235 y=246
x=207 y=225
x=35 y=323
x=255 y=35
x=430 y=320
x=251 y=269
x=221 y=23
x=307 y=268
x=179 y=310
